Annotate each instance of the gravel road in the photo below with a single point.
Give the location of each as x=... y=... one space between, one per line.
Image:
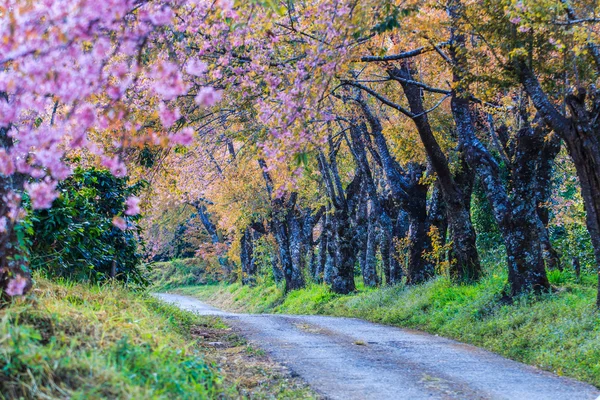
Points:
x=346 y=358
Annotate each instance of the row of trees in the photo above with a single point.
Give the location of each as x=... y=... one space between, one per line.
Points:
x=338 y=132
x=359 y=140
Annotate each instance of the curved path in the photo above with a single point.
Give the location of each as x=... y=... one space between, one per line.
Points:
x=346 y=358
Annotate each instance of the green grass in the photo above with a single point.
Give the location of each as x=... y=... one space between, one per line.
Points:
x=176 y=273
x=559 y=331
x=79 y=341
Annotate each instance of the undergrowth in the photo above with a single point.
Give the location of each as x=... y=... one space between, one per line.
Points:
x=176 y=273
x=558 y=331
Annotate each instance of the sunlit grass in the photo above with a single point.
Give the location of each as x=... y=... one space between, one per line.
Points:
x=80 y=341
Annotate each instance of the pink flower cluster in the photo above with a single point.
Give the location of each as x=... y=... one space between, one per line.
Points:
x=71 y=67
x=16 y=286
x=185 y=137
x=133 y=206
x=42 y=193
x=208 y=97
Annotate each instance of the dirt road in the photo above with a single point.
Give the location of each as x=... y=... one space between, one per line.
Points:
x=345 y=358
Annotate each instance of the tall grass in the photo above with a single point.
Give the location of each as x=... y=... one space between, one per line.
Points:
x=176 y=273
x=78 y=341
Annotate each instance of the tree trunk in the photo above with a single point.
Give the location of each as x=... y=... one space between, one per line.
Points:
x=466 y=266
x=330 y=262
x=293 y=278
x=323 y=249
x=365 y=233
x=411 y=195
x=345 y=249
x=581 y=134
x=283 y=213
x=436 y=214
x=418 y=270
x=277 y=272
x=551 y=148
x=369 y=271
x=329 y=259
x=297 y=244
x=247 y=258
x=398 y=261
x=344 y=203
x=211 y=229
x=386 y=253
x=585 y=153
x=310 y=245
x=516 y=217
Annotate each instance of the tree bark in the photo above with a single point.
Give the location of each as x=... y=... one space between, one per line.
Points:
x=436 y=214
x=323 y=249
x=247 y=257
x=296 y=240
x=411 y=195
x=345 y=249
x=516 y=216
x=369 y=271
x=277 y=272
x=418 y=269
x=551 y=148
x=282 y=214
x=581 y=134
x=344 y=240
x=466 y=266
x=366 y=233
x=398 y=261
x=385 y=244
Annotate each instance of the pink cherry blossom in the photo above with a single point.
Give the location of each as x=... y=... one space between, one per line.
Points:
x=42 y=194
x=226 y=5
x=81 y=78
x=196 y=67
x=120 y=223
x=16 y=286
x=185 y=137
x=115 y=166
x=133 y=206
x=167 y=116
x=208 y=97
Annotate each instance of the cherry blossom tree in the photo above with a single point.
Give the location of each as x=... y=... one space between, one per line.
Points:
x=73 y=71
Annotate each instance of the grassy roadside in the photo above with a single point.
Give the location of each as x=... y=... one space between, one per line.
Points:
x=78 y=341
x=558 y=332
x=179 y=272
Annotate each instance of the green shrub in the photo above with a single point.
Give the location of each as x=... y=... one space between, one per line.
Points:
x=77 y=238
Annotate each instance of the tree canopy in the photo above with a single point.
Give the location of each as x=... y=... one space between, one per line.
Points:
x=319 y=138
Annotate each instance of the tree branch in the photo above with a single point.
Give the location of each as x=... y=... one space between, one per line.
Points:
x=381 y=98
x=401 y=56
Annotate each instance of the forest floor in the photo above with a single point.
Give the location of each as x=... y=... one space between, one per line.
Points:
x=347 y=358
